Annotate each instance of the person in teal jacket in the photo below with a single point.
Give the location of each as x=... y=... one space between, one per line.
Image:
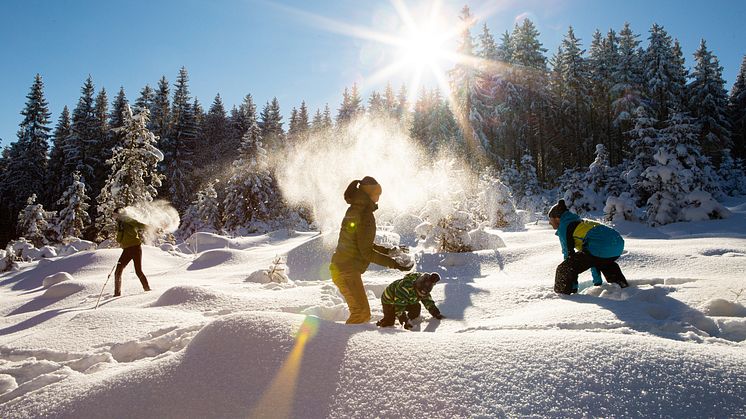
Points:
x=598 y=247
x=129 y=237
x=401 y=299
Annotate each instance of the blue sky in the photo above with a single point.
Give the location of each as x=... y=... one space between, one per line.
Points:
x=235 y=47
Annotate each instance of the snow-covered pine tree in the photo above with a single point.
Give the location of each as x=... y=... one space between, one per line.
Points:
x=83 y=133
x=660 y=73
x=204 y=213
x=271 y=125
x=146 y=99
x=252 y=201
x=351 y=107
x=597 y=179
x=216 y=131
x=532 y=197
x=160 y=115
x=573 y=189
x=56 y=168
x=737 y=112
x=679 y=169
x=98 y=149
x=389 y=101
x=626 y=91
x=602 y=60
x=497 y=204
x=643 y=138
x=376 y=106
x=181 y=145
x=73 y=218
x=708 y=102
x=504 y=51
x=33 y=223
x=27 y=168
x=732 y=176
x=678 y=78
x=116 y=120
x=487 y=46
x=577 y=99
x=462 y=83
x=134 y=176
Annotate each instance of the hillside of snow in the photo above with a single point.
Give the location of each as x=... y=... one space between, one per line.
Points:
x=213 y=340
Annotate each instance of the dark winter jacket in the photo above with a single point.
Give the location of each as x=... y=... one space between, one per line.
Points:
x=128 y=232
x=401 y=293
x=589 y=236
x=355 y=248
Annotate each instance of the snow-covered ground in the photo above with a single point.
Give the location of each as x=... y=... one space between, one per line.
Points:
x=209 y=342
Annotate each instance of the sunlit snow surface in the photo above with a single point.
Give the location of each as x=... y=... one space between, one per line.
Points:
x=208 y=341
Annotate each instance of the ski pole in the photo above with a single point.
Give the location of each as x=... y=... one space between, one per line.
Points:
x=105 y=282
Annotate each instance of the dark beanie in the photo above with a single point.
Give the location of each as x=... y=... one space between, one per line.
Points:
x=558 y=209
x=368 y=180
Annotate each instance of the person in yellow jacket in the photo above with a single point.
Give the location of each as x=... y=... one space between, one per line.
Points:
x=129 y=238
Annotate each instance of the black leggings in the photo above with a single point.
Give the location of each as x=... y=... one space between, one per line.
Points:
x=566 y=278
x=132 y=253
x=389 y=313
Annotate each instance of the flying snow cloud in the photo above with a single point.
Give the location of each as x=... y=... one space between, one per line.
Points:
x=319 y=170
x=157 y=215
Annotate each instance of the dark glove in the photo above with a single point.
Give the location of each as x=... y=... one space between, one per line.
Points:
x=405 y=321
x=405 y=268
x=436 y=313
x=404 y=249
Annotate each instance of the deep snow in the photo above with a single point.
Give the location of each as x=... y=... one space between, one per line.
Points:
x=211 y=342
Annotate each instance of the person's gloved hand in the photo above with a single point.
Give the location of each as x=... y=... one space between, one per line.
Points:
x=436 y=313
x=404 y=249
x=405 y=321
x=407 y=267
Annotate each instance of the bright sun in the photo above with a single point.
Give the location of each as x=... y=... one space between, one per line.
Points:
x=423 y=47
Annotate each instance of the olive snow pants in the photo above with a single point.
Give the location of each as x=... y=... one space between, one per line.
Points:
x=566 y=277
x=132 y=253
x=350 y=284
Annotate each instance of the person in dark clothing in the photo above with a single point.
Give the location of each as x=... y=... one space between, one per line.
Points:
x=356 y=250
x=401 y=299
x=598 y=246
x=129 y=238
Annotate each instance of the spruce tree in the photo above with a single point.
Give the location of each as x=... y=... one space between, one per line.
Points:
x=134 y=176
x=251 y=202
x=577 y=101
x=99 y=148
x=737 y=112
x=56 y=169
x=487 y=46
x=181 y=145
x=33 y=223
x=26 y=173
x=203 y=214
x=116 y=118
x=643 y=138
x=271 y=122
x=661 y=73
x=708 y=102
x=626 y=91
x=216 y=132
x=83 y=134
x=351 y=106
x=73 y=218
x=160 y=126
x=146 y=99
x=462 y=84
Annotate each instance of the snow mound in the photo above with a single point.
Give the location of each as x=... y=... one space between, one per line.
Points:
x=184 y=295
x=77 y=245
x=265 y=276
x=212 y=258
x=56 y=278
x=201 y=241
x=724 y=308
x=7 y=383
x=310 y=260
x=481 y=239
x=48 y=252
x=63 y=290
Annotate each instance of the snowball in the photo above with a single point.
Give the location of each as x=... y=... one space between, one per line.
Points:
x=56 y=278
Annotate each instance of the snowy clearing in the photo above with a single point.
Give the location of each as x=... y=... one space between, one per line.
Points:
x=211 y=340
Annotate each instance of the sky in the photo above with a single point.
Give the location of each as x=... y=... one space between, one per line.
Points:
x=293 y=50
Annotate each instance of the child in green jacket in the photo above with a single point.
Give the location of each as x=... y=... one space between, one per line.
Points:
x=401 y=299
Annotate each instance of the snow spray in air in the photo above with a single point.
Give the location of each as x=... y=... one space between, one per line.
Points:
x=318 y=171
x=159 y=217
